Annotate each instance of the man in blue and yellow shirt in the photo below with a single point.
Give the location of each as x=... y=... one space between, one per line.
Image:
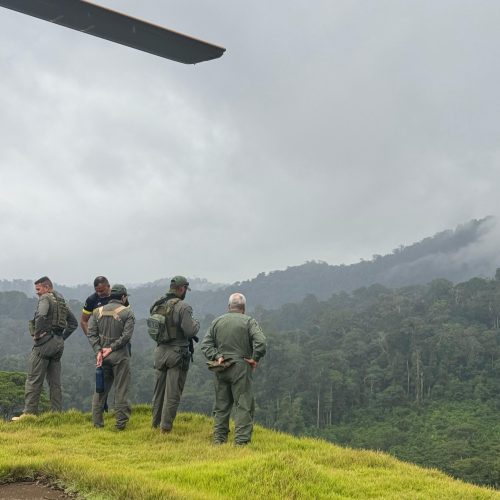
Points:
x=100 y=298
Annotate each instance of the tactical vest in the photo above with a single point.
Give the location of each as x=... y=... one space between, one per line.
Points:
x=161 y=326
x=59 y=311
x=115 y=313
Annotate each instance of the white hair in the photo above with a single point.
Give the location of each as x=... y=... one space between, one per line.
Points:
x=237 y=301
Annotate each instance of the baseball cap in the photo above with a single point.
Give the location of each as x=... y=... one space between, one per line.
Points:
x=118 y=290
x=178 y=281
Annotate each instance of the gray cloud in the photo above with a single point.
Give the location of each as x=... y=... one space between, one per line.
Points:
x=331 y=130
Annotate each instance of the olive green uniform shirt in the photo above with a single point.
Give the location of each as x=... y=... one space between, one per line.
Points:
x=108 y=332
x=234 y=336
x=188 y=326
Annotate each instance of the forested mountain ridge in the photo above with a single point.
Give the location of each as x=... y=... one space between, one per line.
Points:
x=457 y=255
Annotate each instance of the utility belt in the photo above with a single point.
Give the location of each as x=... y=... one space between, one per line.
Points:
x=43 y=339
x=46 y=336
x=56 y=330
x=171 y=343
x=189 y=348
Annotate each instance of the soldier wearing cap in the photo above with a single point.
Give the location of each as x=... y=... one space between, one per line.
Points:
x=52 y=325
x=110 y=329
x=172 y=354
x=234 y=344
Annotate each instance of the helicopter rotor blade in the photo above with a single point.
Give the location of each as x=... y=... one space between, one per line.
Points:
x=105 y=23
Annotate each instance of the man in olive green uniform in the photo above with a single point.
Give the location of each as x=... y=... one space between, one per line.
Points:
x=110 y=329
x=234 y=344
x=172 y=354
x=52 y=325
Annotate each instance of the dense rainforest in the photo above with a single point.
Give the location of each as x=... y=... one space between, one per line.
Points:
x=413 y=370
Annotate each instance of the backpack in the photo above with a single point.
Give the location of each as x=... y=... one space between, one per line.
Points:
x=160 y=323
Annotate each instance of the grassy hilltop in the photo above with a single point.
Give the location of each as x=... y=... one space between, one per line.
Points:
x=140 y=463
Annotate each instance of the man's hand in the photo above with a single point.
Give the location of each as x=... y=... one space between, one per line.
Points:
x=252 y=363
x=98 y=362
x=220 y=360
x=106 y=352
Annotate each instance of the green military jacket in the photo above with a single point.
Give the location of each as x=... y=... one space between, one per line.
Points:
x=183 y=318
x=234 y=336
x=43 y=320
x=187 y=327
x=111 y=325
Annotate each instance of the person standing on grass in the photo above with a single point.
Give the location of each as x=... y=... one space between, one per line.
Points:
x=100 y=297
x=110 y=330
x=234 y=345
x=173 y=352
x=52 y=325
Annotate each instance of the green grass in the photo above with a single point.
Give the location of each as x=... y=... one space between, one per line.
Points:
x=141 y=463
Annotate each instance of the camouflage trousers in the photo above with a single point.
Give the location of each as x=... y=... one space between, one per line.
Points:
x=171 y=368
x=233 y=387
x=44 y=362
x=116 y=368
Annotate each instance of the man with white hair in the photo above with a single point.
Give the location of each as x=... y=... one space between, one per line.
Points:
x=234 y=345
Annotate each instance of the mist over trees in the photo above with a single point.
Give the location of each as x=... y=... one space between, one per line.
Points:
x=456 y=255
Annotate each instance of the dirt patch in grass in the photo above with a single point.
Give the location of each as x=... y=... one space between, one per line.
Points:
x=33 y=490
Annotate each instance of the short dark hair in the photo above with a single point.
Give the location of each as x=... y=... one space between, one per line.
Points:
x=44 y=280
x=101 y=280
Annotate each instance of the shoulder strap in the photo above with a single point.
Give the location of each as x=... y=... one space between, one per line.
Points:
x=171 y=303
x=119 y=309
x=169 y=315
x=114 y=313
x=52 y=297
x=159 y=302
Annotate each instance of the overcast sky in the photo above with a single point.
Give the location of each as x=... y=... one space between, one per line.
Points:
x=329 y=130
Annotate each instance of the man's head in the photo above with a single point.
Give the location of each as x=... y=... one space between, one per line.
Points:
x=179 y=285
x=102 y=287
x=43 y=285
x=237 y=303
x=119 y=292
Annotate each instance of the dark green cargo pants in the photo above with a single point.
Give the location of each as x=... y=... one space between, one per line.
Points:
x=116 y=368
x=234 y=387
x=44 y=362
x=171 y=367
